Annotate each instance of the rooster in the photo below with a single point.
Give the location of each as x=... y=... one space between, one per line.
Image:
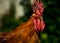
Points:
x=27 y=32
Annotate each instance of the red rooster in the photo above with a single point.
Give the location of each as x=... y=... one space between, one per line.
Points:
x=27 y=32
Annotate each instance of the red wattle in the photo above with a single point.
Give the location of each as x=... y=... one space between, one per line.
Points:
x=42 y=25
x=38 y=24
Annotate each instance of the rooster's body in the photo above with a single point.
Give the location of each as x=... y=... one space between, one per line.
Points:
x=25 y=33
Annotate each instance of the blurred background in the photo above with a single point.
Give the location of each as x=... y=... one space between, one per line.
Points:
x=51 y=16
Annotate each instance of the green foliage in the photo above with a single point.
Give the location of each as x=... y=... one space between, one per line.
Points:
x=52 y=20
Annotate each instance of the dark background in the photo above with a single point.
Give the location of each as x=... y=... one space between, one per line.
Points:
x=51 y=16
